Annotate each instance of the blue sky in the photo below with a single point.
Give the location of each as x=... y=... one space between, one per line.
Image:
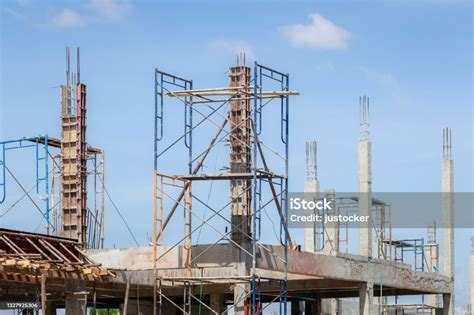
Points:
x=414 y=60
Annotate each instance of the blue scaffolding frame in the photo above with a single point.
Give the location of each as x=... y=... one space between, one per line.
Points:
x=32 y=142
x=262 y=75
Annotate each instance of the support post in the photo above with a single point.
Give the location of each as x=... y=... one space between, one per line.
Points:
x=125 y=303
x=44 y=307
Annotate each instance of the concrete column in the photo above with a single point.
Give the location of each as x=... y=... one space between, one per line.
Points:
x=447 y=189
x=311 y=187
x=365 y=197
x=76 y=298
x=312 y=241
x=76 y=304
x=366 y=299
x=447 y=306
x=240 y=297
x=217 y=303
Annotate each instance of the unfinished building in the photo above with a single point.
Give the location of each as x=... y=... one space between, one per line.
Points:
x=237 y=266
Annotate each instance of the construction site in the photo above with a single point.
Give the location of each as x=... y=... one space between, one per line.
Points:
x=213 y=255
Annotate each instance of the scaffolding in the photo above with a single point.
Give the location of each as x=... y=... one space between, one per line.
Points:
x=42 y=173
x=254 y=180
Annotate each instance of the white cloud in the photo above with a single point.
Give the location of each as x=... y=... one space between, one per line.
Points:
x=93 y=11
x=110 y=9
x=319 y=33
x=68 y=18
x=234 y=46
x=389 y=83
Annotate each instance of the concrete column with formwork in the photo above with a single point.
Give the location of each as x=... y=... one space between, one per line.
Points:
x=447 y=189
x=240 y=114
x=74 y=163
x=68 y=164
